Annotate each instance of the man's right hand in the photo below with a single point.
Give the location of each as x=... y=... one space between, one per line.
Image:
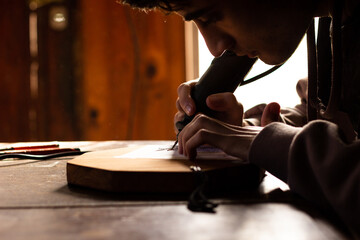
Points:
x=226 y=133
x=228 y=109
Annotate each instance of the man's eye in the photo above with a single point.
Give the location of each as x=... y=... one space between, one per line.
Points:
x=210 y=20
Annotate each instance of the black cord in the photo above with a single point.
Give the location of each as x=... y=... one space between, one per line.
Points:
x=261 y=75
x=198 y=202
x=40 y=157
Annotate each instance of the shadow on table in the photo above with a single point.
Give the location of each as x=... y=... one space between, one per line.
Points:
x=241 y=197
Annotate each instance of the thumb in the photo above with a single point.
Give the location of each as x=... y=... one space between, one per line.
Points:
x=270 y=114
x=228 y=109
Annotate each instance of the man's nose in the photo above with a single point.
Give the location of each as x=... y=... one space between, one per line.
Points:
x=216 y=40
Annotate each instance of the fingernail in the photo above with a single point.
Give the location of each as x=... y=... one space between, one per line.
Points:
x=188 y=109
x=275 y=109
x=180 y=150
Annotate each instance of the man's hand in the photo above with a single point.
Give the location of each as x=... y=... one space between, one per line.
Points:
x=233 y=140
x=226 y=131
x=228 y=109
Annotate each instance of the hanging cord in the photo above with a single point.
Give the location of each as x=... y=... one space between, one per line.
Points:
x=316 y=107
x=324 y=62
x=198 y=202
x=312 y=73
x=261 y=75
x=335 y=91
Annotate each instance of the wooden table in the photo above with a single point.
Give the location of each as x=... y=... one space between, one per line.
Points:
x=37 y=203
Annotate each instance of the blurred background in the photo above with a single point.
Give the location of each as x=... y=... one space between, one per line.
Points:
x=97 y=70
x=88 y=70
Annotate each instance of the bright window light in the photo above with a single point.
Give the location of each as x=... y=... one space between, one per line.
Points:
x=279 y=86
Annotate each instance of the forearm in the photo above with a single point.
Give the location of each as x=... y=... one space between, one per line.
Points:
x=316 y=163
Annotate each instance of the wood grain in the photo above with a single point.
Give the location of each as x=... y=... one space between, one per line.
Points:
x=57 y=85
x=15 y=71
x=132 y=65
x=111 y=73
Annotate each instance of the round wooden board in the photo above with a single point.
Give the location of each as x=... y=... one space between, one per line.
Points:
x=120 y=170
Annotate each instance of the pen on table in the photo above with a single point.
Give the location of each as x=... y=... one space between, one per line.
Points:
x=41 y=154
x=173 y=146
x=40 y=151
x=30 y=147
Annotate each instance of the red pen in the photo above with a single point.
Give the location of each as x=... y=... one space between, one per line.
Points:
x=30 y=147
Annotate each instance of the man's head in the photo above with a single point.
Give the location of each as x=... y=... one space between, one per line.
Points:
x=167 y=5
x=268 y=29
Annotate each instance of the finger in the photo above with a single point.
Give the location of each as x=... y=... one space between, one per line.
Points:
x=178 y=106
x=183 y=136
x=179 y=116
x=186 y=103
x=201 y=137
x=255 y=111
x=197 y=140
x=301 y=88
x=188 y=131
x=271 y=114
x=234 y=145
x=230 y=110
x=222 y=101
x=199 y=123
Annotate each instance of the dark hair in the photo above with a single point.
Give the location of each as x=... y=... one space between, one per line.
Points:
x=167 y=5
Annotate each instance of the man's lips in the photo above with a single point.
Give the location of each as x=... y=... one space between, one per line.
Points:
x=250 y=54
x=253 y=54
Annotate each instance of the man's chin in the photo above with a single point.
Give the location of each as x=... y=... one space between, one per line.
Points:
x=273 y=59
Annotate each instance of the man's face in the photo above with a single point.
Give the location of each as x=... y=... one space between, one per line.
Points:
x=268 y=29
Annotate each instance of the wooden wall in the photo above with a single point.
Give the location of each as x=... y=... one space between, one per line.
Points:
x=111 y=73
x=56 y=116
x=132 y=65
x=14 y=71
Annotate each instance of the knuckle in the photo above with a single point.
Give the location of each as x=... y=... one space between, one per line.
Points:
x=178 y=106
x=201 y=119
x=203 y=133
x=178 y=116
x=240 y=105
x=181 y=88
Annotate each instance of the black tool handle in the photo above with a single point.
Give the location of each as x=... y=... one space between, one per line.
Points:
x=223 y=75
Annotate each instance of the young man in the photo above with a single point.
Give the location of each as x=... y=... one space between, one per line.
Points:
x=320 y=160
